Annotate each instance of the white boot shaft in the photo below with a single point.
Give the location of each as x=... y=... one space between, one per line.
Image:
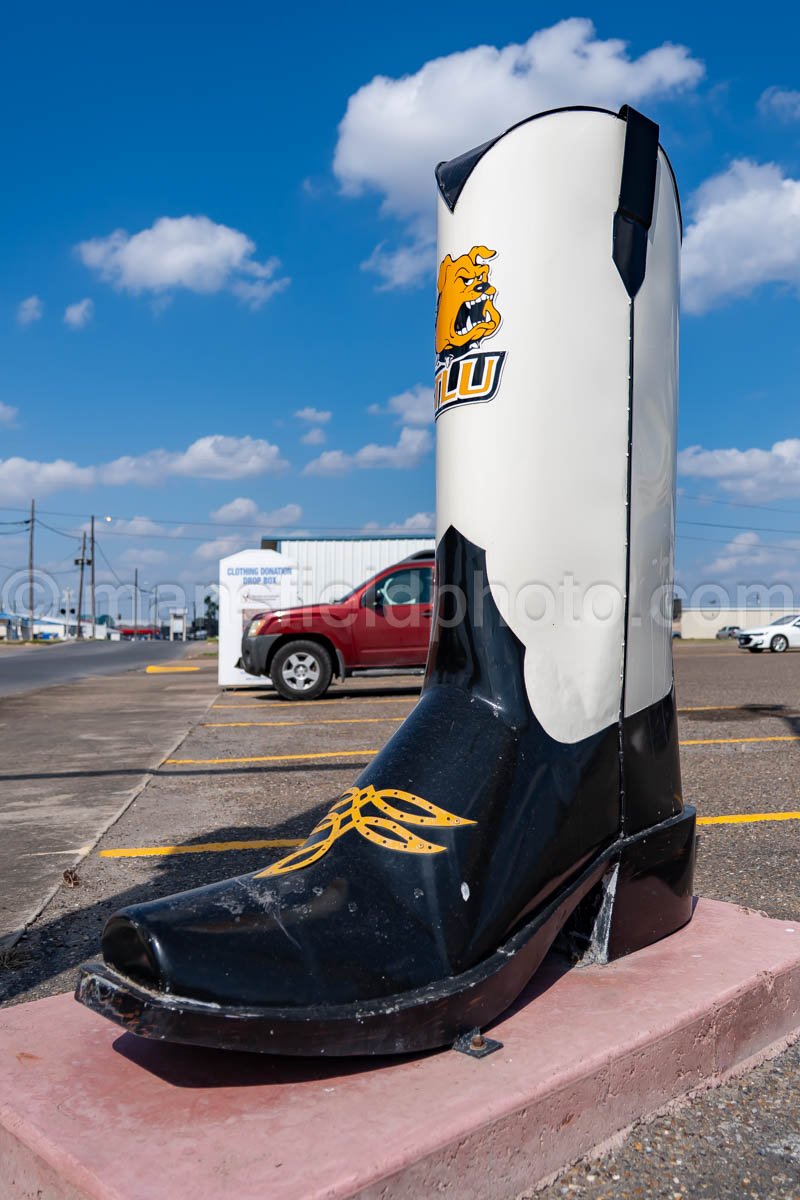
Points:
x=534 y=413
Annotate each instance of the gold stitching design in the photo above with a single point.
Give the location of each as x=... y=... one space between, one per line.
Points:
x=385 y=828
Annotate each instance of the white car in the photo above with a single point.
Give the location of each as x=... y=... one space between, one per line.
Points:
x=781 y=635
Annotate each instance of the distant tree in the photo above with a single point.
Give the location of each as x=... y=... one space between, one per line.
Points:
x=212 y=614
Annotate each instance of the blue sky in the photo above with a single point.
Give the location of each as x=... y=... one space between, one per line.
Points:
x=215 y=223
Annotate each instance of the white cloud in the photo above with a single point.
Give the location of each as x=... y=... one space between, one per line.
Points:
x=412 y=407
x=740 y=551
x=194 y=253
x=330 y=462
x=221 y=547
x=30 y=310
x=134 y=527
x=394 y=131
x=406 y=265
x=143 y=557
x=410 y=449
x=753 y=474
x=421 y=522
x=8 y=414
x=745 y=233
x=757 y=566
x=213 y=457
x=230 y=543
x=21 y=478
x=243 y=511
x=314 y=437
x=780 y=102
x=79 y=314
x=314 y=416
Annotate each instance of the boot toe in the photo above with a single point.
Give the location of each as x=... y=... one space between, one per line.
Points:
x=128 y=948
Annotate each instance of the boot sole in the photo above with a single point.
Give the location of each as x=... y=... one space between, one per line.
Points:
x=647 y=898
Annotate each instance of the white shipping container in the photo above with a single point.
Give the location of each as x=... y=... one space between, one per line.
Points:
x=330 y=567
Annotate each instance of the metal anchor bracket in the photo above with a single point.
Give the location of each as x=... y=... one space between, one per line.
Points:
x=475 y=1045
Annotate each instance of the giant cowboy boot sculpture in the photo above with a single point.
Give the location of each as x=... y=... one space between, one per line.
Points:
x=536 y=784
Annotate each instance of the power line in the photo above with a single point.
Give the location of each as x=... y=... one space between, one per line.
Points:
x=193 y=537
x=702 y=499
x=63 y=532
x=108 y=564
x=749 y=528
x=686 y=537
x=218 y=526
x=787 y=512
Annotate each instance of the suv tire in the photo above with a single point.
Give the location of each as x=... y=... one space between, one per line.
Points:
x=779 y=644
x=301 y=670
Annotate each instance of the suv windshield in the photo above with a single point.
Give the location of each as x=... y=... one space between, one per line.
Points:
x=346 y=595
x=398 y=577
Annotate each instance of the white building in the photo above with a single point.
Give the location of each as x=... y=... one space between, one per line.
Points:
x=696 y=623
x=328 y=568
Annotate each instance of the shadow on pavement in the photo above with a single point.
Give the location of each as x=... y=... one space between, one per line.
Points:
x=742 y=712
x=235 y=769
x=336 y=693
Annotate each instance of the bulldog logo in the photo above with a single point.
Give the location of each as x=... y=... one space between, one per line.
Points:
x=466 y=314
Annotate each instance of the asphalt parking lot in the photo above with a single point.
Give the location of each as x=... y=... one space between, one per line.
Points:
x=254 y=773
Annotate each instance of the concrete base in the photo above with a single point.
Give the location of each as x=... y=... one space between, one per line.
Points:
x=89 y=1112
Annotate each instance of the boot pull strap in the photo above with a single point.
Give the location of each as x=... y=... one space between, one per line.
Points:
x=637 y=190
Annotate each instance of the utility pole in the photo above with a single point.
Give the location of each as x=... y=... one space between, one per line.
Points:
x=135 y=602
x=81 y=562
x=30 y=567
x=91 y=563
x=156 y=625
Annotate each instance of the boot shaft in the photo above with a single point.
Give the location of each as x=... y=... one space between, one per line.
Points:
x=556 y=393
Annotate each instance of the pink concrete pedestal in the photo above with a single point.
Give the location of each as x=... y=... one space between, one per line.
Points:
x=89 y=1112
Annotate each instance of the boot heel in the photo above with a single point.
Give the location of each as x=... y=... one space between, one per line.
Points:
x=645 y=894
x=653 y=895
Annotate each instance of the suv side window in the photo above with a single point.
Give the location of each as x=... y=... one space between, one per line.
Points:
x=411 y=585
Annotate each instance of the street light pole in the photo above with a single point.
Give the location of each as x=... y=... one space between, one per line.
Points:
x=91 y=563
x=67 y=601
x=30 y=568
x=135 y=602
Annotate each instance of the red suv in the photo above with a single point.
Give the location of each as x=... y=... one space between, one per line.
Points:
x=385 y=622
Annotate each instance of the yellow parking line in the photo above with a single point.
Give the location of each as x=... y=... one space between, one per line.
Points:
x=305 y=724
x=713 y=708
x=168 y=670
x=749 y=818
x=200 y=848
x=286 y=843
x=185 y=762
x=735 y=741
x=290 y=704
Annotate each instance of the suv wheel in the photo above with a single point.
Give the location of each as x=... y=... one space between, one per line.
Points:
x=301 y=671
x=779 y=644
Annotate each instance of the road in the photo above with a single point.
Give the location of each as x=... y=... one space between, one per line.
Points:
x=76 y=753
x=27 y=668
